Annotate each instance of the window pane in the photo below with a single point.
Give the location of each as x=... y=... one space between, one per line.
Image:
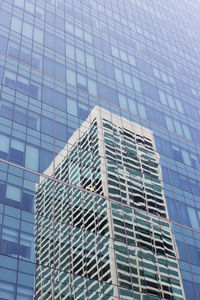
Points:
x=32 y=157
x=13 y=193
x=193 y=218
x=38 y=35
x=4 y=146
x=27 y=30
x=71 y=77
x=72 y=107
x=16 y=24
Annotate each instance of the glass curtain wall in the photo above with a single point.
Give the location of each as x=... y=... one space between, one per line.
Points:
x=76 y=232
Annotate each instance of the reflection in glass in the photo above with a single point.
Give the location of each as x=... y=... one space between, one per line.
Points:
x=93 y=235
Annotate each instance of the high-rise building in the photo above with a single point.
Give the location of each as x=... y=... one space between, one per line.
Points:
x=117 y=159
x=87 y=211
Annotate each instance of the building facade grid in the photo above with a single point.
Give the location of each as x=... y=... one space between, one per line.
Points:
x=138 y=60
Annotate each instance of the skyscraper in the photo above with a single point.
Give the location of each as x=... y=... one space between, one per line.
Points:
x=137 y=62
x=116 y=159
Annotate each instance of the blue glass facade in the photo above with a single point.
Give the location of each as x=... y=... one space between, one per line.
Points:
x=58 y=60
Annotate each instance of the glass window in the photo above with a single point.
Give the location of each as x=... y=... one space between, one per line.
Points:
x=164 y=77
x=29 y=7
x=3 y=43
x=17 y=152
x=32 y=157
x=5 y=18
x=88 y=37
x=183 y=212
x=109 y=69
x=60 y=70
x=90 y=61
x=10 y=79
x=193 y=255
x=82 y=82
x=6 y=109
x=13 y=50
x=78 y=32
x=127 y=79
x=69 y=27
x=39 y=13
x=189 y=289
x=92 y=87
x=59 y=45
x=159 y=144
x=193 y=218
x=176 y=152
x=48 y=66
x=25 y=55
x=72 y=107
x=159 y=118
x=83 y=111
x=49 y=17
x=71 y=76
x=115 y=51
x=47 y=126
x=113 y=96
x=179 y=105
x=38 y=35
x=27 y=30
x=163 y=98
x=19 y=3
x=186 y=157
x=132 y=106
x=61 y=132
x=169 y=123
x=1 y=74
x=23 y=84
x=60 y=101
x=28 y=200
x=171 y=79
x=35 y=90
x=186 y=131
x=123 y=56
x=156 y=73
x=132 y=60
x=118 y=75
x=165 y=175
x=194 y=160
x=80 y=56
x=33 y=121
x=70 y=51
x=144 y=66
x=48 y=95
x=171 y=101
x=4 y=146
x=182 y=250
x=23 y=292
x=60 y=22
x=178 y=127
x=49 y=40
x=99 y=65
x=20 y=115
x=46 y=158
x=136 y=84
x=13 y=193
x=26 y=243
x=150 y=90
x=16 y=24
x=7 y=289
x=142 y=110
x=173 y=213
x=122 y=101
